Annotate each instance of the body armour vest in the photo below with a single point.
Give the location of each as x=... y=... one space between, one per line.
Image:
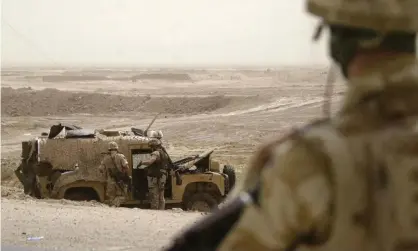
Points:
x=375 y=185
x=373 y=149
x=155 y=169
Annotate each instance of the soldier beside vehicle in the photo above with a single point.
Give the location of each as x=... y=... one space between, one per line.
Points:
x=347 y=182
x=73 y=166
x=157 y=172
x=115 y=166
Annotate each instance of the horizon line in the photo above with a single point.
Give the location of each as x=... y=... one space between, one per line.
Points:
x=163 y=66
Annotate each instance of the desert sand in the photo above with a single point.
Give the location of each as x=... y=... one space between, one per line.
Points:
x=232 y=111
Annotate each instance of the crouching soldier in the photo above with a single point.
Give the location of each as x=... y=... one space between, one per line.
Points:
x=157 y=168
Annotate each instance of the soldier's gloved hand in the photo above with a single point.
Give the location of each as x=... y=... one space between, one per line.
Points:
x=139 y=163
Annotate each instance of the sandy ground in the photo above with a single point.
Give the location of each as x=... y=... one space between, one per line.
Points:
x=229 y=110
x=69 y=226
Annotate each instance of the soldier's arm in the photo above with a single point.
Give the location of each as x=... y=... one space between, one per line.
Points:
x=124 y=163
x=154 y=157
x=294 y=199
x=102 y=167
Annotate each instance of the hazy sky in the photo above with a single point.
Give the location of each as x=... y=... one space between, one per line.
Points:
x=157 y=32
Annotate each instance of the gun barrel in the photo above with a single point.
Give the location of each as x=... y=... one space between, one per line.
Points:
x=152 y=122
x=206 y=153
x=184 y=160
x=211 y=230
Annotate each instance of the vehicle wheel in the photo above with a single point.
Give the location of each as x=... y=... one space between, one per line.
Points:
x=230 y=172
x=202 y=202
x=82 y=194
x=77 y=197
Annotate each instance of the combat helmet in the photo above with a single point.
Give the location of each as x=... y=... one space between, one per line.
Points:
x=355 y=25
x=379 y=15
x=113 y=146
x=155 y=134
x=153 y=143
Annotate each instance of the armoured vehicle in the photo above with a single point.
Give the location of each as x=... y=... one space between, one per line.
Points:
x=63 y=164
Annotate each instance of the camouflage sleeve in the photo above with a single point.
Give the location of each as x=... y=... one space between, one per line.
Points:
x=102 y=167
x=154 y=157
x=295 y=197
x=124 y=162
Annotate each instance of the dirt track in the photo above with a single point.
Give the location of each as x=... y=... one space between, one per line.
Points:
x=231 y=111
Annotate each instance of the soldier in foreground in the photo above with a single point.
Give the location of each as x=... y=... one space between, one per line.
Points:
x=157 y=167
x=348 y=182
x=115 y=166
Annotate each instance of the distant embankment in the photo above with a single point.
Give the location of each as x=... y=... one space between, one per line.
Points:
x=145 y=76
x=28 y=102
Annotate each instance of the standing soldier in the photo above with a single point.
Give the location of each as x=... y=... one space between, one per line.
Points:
x=349 y=182
x=115 y=166
x=157 y=167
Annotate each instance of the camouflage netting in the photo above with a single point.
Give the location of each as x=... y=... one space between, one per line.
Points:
x=86 y=152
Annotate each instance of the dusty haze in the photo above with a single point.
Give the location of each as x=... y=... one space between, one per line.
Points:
x=231 y=111
x=146 y=33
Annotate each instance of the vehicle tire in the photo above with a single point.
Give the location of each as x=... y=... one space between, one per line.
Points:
x=77 y=197
x=202 y=202
x=81 y=195
x=230 y=172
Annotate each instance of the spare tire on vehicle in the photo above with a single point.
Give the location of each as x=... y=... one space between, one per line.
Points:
x=230 y=172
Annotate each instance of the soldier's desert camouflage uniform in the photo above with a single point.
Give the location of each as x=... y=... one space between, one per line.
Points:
x=351 y=182
x=114 y=194
x=298 y=186
x=156 y=187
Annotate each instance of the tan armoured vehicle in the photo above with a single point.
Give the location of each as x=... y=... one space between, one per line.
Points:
x=64 y=165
